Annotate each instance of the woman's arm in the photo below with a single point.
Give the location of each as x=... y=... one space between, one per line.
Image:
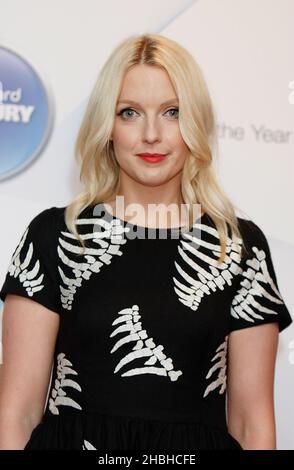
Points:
x=250 y=386
x=29 y=336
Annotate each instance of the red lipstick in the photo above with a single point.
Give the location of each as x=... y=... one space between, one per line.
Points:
x=152 y=157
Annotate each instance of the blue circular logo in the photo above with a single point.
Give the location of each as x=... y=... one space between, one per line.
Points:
x=25 y=113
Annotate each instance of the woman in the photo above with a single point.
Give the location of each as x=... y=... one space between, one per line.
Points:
x=148 y=336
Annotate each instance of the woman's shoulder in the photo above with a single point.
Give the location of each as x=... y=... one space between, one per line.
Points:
x=48 y=214
x=49 y=217
x=250 y=230
x=254 y=240
x=54 y=216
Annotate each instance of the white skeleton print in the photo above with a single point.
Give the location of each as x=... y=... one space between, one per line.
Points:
x=144 y=347
x=109 y=242
x=206 y=276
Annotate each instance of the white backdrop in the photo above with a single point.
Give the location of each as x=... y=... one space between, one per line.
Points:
x=245 y=49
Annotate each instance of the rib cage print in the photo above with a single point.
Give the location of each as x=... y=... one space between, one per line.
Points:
x=58 y=395
x=256 y=282
x=105 y=239
x=157 y=363
x=25 y=269
x=221 y=379
x=198 y=272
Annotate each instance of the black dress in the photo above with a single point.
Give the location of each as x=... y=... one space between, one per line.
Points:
x=141 y=355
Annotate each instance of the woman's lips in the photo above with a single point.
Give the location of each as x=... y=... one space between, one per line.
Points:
x=152 y=158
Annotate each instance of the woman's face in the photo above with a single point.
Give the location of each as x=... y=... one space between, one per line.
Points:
x=144 y=122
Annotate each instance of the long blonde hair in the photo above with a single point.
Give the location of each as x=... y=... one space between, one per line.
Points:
x=99 y=169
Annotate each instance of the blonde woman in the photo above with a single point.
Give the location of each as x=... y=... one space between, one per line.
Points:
x=154 y=306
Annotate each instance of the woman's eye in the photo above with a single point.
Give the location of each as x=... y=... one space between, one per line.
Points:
x=173 y=109
x=121 y=113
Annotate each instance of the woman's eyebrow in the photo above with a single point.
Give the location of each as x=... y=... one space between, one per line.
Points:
x=125 y=100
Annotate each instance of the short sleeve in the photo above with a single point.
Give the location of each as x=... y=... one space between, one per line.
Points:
x=32 y=271
x=257 y=298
